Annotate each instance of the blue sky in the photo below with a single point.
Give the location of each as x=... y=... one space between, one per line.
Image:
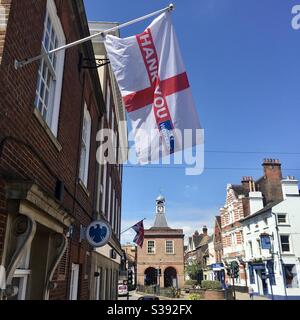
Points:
x=243 y=62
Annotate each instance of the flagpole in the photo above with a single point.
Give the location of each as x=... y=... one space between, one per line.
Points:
x=131 y=227
x=20 y=64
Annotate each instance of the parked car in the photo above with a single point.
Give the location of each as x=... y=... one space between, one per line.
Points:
x=122 y=289
x=148 y=298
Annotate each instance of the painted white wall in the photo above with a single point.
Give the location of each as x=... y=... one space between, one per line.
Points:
x=211 y=253
x=266 y=223
x=256 y=201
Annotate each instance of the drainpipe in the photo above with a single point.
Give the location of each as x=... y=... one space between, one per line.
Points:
x=280 y=254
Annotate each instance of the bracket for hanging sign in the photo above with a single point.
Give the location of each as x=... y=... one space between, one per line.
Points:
x=85 y=63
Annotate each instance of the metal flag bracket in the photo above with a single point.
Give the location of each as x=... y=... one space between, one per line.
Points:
x=19 y=64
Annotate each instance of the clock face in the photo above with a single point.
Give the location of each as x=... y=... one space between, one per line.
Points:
x=160 y=209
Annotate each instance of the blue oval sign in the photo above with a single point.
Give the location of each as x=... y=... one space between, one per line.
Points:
x=98 y=233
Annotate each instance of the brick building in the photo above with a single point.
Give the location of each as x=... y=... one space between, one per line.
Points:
x=51 y=112
x=162 y=250
x=130 y=251
x=215 y=253
x=238 y=206
x=197 y=253
x=106 y=260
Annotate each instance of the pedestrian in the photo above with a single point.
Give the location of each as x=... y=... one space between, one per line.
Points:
x=251 y=292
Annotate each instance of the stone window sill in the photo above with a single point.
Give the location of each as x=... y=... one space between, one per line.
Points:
x=43 y=123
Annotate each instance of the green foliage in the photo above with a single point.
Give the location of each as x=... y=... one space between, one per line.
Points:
x=195 y=296
x=193 y=270
x=257 y=261
x=211 y=284
x=191 y=282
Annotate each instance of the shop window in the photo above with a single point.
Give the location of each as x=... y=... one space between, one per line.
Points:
x=291 y=277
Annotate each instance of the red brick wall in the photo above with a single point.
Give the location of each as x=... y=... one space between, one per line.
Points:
x=270 y=184
x=26 y=151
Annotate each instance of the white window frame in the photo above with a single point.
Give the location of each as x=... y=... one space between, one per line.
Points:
x=74 y=282
x=109 y=200
x=290 y=243
x=166 y=246
x=84 y=166
x=119 y=222
x=258 y=244
x=113 y=210
x=100 y=175
x=98 y=284
x=153 y=247
x=57 y=75
x=108 y=99
x=250 y=248
x=286 y=218
x=104 y=188
x=23 y=273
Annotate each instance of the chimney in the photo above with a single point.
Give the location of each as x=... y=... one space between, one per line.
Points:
x=255 y=201
x=204 y=230
x=270 y=185
x=247 y=183
x=289 y=187
x=272 y=169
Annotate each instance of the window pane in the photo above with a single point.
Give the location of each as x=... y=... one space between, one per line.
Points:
x=284 y=239
x=282 y=218
x=151 y=248
x=169 y=246
x=285 y=247
x=45 y=91
x=82 y=162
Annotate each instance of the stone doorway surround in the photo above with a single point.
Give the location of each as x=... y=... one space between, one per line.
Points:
x=28 y=205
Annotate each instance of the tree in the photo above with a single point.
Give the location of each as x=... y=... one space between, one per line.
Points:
x=193 y=270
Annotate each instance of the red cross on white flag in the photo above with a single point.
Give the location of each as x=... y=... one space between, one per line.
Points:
x=155 y=89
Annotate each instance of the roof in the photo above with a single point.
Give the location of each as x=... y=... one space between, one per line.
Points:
x=263 y=210
x=239 y=190
x=160 y=221
x=196 y=239
x=205 y=239
x=160 y=198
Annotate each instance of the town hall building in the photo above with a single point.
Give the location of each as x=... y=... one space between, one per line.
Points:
x=161 y=259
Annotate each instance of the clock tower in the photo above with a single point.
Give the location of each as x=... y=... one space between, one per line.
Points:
x=160 y=261
x=160 y=205
x=160 y=218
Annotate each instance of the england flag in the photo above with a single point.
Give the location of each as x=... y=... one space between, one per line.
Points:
x=155 y=89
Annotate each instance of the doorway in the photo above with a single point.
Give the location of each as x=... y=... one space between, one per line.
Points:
x=170 y=277
x=262 y=282
x=98 y=284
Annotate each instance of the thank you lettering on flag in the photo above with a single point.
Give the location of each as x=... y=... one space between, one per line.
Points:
x=155 y=89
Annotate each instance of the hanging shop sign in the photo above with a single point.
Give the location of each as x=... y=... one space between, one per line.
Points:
x=98 y=233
